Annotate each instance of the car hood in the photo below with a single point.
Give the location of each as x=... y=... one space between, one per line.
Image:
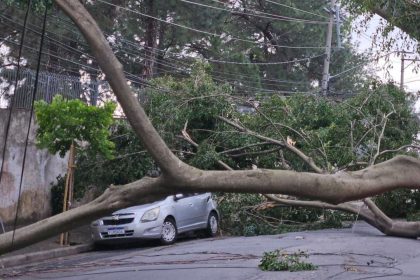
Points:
x=138 y=208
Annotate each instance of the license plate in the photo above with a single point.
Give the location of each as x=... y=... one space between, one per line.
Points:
x=115 y=231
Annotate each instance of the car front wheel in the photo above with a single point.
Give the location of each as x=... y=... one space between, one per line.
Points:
x=212 y=225
x=169 y=232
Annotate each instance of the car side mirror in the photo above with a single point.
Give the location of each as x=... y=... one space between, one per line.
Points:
x=178 y=196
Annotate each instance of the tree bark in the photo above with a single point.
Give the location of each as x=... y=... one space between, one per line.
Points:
x=150 y=40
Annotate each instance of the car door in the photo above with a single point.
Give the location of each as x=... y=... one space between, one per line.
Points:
x=188 y=211
x=183 y=211
x=201 y=209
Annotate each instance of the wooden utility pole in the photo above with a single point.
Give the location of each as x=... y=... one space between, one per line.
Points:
x=325 y=72
x=68 y=191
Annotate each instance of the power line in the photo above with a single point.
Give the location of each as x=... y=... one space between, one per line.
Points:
x=283 y=5
x=142 y=83
x=136 y=45
x=182 y=70
x=138 y=81
x=296 y=9
x=9 y=118
x=222 y=73
x=360 y=64
x=30 y=121
x=227 y=62
x=264 y=63
x=206 y=32
x=69 y=48
x=259 y=15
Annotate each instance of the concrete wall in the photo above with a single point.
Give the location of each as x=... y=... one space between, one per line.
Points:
x=41 y=170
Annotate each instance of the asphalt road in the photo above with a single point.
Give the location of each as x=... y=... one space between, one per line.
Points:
x=358 y=253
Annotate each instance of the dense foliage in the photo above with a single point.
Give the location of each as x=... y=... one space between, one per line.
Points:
x=64 y=122
x=337 y=135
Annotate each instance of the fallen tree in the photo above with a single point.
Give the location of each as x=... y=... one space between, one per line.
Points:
x=177 y=176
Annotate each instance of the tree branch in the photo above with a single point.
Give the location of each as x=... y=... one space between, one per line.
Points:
x=245 y=147
x=417 y=147
x=286 y=145
x=381 y=136
x=115 y=197
x=399 y=172
x=378 y=219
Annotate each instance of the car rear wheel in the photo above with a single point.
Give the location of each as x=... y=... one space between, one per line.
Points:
x=169 y=232
x=212 y=225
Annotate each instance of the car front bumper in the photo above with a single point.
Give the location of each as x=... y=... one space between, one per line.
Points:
x=131 y=231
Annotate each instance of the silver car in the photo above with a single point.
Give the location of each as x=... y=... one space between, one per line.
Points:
x=163 y=220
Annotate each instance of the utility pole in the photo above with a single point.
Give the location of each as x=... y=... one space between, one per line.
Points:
x=402 y=71
x=325 y=72
x=403 y=59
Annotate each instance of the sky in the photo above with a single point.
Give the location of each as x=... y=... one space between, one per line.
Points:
x=364 y=42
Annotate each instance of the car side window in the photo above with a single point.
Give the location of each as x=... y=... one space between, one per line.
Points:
x=179 y=196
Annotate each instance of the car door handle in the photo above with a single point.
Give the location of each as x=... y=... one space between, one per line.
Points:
x=190 y=204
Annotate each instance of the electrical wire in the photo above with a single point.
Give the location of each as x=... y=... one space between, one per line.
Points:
x=207 y=32
x=360 y=64
x=182 y=70
x=9 y=117
x=136 y=46
x=229 y=62
x=259 y=15
x=134 y=81
x=227 y=73
x=296 y=9
x=264 y=63
x=142 y=82
x=219 y=78
x=30 y=122
x=218 y=60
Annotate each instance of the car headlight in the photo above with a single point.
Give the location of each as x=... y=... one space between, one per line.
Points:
x=97 y=223
x=150 y=215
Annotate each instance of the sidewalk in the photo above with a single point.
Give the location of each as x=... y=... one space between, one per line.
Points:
x=50 y=248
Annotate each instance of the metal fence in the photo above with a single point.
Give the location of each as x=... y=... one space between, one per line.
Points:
x=49 y=85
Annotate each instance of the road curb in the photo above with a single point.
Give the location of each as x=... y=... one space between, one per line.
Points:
x=44 y=255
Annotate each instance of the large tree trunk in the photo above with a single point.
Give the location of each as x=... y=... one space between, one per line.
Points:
x=400 y=172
